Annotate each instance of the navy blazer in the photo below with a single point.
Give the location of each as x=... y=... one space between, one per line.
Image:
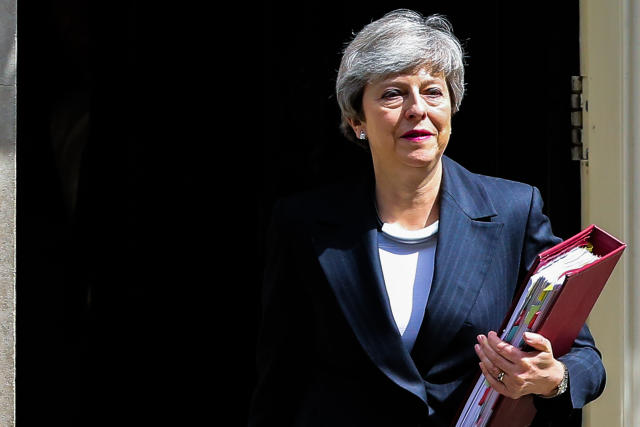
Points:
x=329 y=351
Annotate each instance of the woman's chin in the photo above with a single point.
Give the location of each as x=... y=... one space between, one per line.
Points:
x=423 y=160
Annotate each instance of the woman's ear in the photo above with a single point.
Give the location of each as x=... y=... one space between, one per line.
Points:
x=357 y=126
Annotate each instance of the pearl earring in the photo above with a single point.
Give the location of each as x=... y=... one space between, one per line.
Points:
x=363 y=135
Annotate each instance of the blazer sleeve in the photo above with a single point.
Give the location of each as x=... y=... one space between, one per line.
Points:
x=584 y=362
x=284 y=335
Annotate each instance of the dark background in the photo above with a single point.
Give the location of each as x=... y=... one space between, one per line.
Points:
x=138 y=289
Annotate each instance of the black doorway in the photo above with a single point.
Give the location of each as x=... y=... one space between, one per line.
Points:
x=144 y=304
x=514 y=121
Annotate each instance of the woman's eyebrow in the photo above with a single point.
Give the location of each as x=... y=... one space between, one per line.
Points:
x=399 y=80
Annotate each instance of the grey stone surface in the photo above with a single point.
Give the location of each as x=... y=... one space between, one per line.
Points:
x=8 y=92
x=8 y=25
x=7 y=254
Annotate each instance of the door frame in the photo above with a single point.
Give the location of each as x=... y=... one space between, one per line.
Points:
x=610 y=64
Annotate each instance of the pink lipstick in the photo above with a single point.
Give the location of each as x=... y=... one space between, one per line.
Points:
x=417 y=135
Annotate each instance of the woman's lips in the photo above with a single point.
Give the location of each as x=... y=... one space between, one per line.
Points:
x=417 y=135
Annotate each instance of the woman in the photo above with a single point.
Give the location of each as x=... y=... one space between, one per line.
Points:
x=381 y=297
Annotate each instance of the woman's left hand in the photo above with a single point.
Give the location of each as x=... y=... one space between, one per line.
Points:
x=534 y=372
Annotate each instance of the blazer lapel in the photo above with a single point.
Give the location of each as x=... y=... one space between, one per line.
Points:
x=463 y=256
x=349 y=258
x=348 y=253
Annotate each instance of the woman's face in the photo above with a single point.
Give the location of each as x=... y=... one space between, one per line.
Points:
x=407 y=119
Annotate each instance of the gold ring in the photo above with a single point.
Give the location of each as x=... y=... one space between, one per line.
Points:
x=500 y=376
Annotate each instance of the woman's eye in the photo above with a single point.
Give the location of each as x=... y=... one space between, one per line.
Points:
x=434 y=91
x=391 y=93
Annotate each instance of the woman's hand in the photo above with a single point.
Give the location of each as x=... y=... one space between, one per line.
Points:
x=536 y=372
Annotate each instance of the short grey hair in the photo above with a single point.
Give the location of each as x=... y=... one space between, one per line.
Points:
x=401 y=41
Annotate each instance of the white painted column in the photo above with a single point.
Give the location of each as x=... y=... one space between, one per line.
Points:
x=610 y=52
x=631 y=209
x=7 y=209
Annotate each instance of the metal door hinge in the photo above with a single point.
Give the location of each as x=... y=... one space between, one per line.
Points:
x=578 y=150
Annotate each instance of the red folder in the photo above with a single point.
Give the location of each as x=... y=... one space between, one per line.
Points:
x=579 y=293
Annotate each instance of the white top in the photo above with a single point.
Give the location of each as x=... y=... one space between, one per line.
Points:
x=407 y=258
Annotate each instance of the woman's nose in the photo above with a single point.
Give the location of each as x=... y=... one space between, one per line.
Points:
x=417 y=108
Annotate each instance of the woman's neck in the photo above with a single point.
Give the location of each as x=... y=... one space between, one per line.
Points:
x=409 y=197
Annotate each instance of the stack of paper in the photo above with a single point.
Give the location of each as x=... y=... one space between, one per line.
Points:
x=535 y=303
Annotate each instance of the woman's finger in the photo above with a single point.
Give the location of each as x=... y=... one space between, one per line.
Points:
x=538 y=342
x=496 y=359
x=503 y=348
x=494 y=370
x=498 y=386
